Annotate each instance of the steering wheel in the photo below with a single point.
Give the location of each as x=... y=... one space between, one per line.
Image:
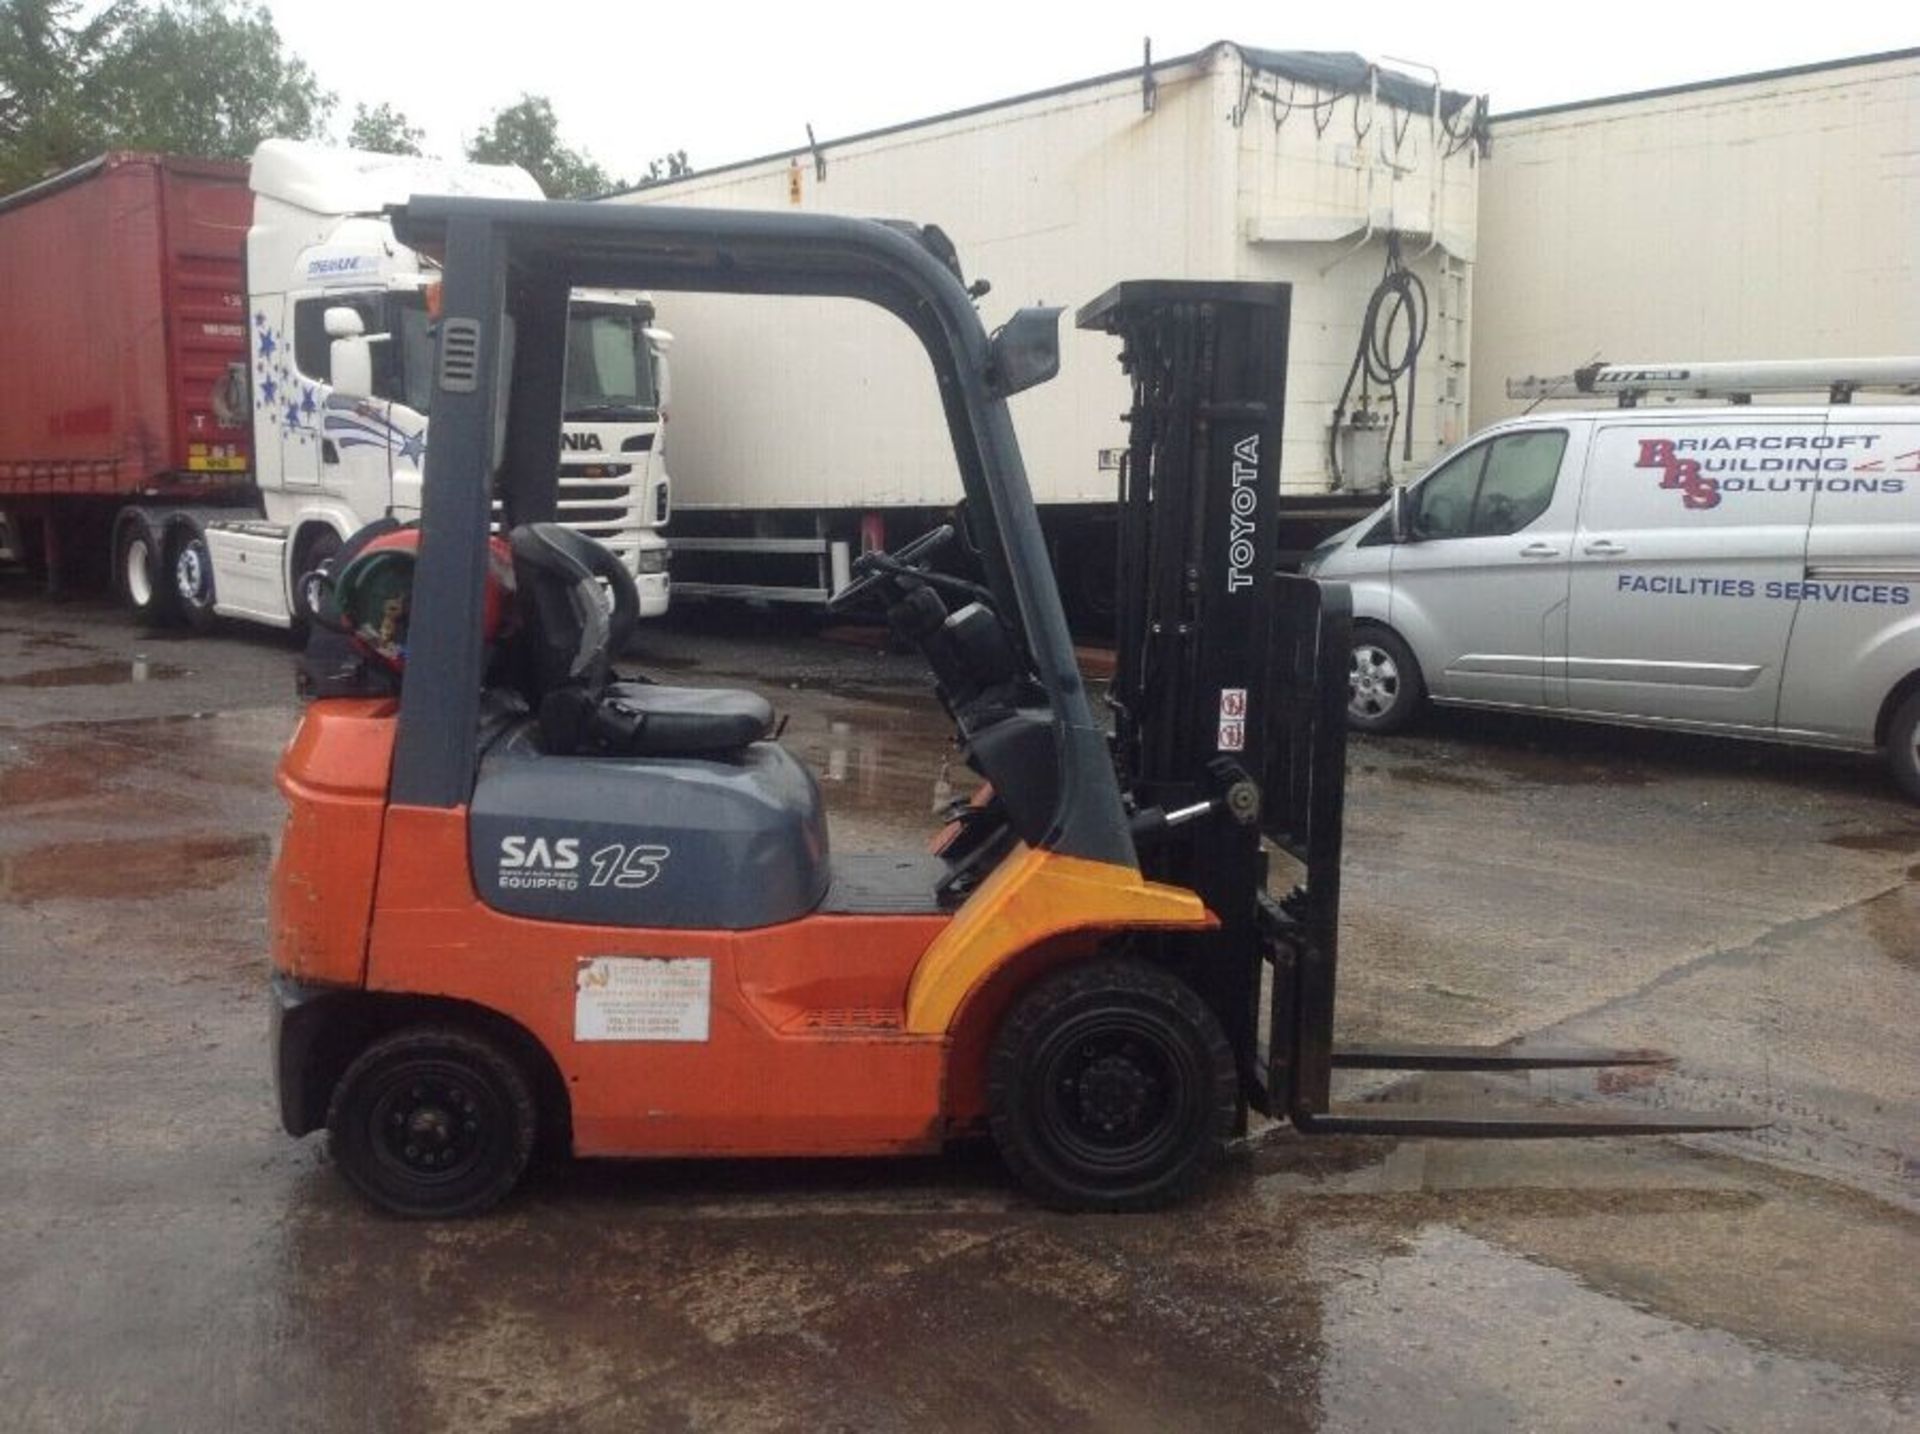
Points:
x=876 y=568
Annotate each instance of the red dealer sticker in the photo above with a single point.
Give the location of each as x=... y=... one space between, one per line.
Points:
x=1233 y=719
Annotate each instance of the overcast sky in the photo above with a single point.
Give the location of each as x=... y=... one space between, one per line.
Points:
x=728 y=81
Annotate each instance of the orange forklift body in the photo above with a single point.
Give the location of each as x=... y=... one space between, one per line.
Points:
x=832 y=1035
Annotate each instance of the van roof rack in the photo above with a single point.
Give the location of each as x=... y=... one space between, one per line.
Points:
x=1736 y=382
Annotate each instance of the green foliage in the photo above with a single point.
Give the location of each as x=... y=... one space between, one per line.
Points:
x=526 y=133
x=671 y=165
x=384 y=130
x=209 y=78
x=50 y=111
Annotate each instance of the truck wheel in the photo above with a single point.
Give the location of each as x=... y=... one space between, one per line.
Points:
x=315 y=553
x=432 y=1122
x=138 y=574
x=1111 y=1086
x=1384 y=686
x=1903 y=746
x=191 y=567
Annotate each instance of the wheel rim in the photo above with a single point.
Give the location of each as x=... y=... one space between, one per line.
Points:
x=1113 y=1093
x=139 y=573
x=1373 y=681
x=432 y=1124
x=190 y=573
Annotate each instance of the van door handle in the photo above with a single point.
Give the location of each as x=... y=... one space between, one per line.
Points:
x=1539 y=550
x=1604 y=548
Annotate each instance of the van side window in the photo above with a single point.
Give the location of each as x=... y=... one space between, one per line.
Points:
x=1494 y=489
x=1518 y=482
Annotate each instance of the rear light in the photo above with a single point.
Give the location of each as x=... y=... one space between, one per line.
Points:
x=653 y=560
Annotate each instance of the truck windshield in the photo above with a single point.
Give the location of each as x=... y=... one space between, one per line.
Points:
x=609 y=367
x=413 y=336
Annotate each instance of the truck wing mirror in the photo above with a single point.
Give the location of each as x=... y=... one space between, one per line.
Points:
x=351 y=361
x=343 y=322
x=1399 y=519
x=1023 y=352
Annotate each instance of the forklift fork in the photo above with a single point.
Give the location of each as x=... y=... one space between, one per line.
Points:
x=1303 y=816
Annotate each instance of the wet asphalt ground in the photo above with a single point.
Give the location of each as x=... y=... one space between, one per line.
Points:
x=169 y=1260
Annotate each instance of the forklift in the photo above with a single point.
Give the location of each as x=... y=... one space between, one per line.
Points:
x=521 y=903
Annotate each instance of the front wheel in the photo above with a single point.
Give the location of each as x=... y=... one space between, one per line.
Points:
x=1903 y=746
x=1111 y=1087
x=432 y=1122
x=191 y=569
x=1384 y=687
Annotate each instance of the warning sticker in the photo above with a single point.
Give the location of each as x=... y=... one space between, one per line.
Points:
x=642 y=998
x=1233 y=719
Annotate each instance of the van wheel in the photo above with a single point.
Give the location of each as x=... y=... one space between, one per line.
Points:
x=431 y=1122
x=137 y=573
x=1111 y=1086
x=1903 y=746
x=190 y=566
x=1384 y=686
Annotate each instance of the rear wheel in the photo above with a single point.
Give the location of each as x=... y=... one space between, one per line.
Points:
x=190 y=566
x=1111 y=1087
x=138 y=575
x=1384 y=686
x=1903 y=746
x=432 y=1122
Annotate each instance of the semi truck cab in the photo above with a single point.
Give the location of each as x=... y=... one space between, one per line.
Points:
x=341 y=325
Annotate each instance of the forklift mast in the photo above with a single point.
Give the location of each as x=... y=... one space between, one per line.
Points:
x=1229 y=699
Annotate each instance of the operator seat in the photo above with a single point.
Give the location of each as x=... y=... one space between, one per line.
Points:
x=567 y=635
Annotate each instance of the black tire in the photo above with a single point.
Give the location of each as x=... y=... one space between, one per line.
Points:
x=317 y=549
x=432 y=1123
x=139 y=575
x=1111 y=1086
x=1385 y=690
x=190 y=572
x=1903 y=746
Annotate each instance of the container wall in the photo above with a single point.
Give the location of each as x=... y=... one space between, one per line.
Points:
x=87 y=273
x=1054 y=199
x=1323 y=181
x=1774 y=218
x=803 y=403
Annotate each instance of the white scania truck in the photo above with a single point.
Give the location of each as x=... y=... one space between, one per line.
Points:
x=340 y=333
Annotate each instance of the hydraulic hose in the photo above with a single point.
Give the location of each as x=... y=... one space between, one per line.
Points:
x=1392 y=333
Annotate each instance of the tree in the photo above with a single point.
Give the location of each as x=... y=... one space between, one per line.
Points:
x=209 y=78
x=527 y=133
x=671 y=165
x=198 y=77
x=49 y=111
x=384 y=130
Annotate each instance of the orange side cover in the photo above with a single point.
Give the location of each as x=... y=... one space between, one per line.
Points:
x=320 y=899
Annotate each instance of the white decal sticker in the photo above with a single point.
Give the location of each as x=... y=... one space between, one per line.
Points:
x=642 y=998
x=1233 y=719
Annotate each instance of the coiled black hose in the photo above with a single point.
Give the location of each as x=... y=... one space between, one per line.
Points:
x=1384 y=358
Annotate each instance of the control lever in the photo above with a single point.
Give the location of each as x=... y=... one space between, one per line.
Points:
x=1239 y=799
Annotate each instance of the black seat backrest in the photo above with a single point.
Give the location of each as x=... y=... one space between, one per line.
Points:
x=563 y=612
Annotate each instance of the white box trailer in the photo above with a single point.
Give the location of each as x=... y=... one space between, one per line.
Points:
x=792 y=442
x=1767 y=216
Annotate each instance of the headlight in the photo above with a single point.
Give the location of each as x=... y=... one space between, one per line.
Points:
x=653 y=560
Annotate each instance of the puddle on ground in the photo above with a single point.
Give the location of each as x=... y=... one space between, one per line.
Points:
x=1897 y=840
x=65 y=773
x=1893 y=924
x=1436 y=777
x=97 y=674
x=126 y=868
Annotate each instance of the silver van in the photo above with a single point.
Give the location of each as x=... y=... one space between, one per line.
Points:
x=1750 y=571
